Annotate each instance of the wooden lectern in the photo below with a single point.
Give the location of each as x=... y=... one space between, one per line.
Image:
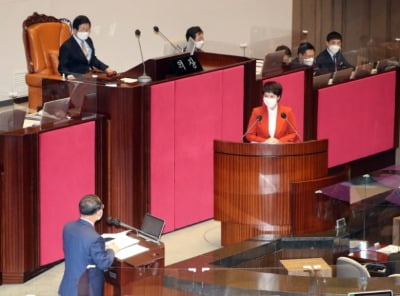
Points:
x=256 y=186
x=141 y=268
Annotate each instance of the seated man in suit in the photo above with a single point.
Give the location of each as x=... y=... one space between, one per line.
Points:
x=85 y=255
x=331 y=59
x=287 y=58
x=269 y=123
x=305 y=56
x=77 y=54
x=197 y=34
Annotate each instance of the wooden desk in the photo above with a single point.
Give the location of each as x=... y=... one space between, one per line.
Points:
x=370 y=255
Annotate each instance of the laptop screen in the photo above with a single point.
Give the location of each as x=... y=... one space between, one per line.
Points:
x=55 y=110
x=152 y=226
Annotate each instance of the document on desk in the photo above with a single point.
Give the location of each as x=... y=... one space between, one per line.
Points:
x=130 y=251
x=121 y=239
x=390 y=249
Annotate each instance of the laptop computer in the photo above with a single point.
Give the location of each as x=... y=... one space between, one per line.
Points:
x=342 y=75
x=372 y=293
x=55 y=110
x=273 y=61
x=52 y=111
x=12 y=120
x=190 y=46
x=322 y=80
x=152 y=228
x=363 y=71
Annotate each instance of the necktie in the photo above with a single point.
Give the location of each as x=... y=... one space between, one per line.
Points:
x=335 y=61
x=84 y=49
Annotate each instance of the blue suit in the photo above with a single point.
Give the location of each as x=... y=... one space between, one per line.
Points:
x=83 y=246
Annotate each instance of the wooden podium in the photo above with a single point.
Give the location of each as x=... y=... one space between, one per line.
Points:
x=256 y=186
x=145 y=267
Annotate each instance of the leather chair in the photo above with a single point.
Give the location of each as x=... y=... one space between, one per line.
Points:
x=42 y=35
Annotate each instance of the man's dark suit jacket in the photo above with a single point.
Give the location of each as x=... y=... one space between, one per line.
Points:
x=83 y=246
x=326 y=64
x=72 y=60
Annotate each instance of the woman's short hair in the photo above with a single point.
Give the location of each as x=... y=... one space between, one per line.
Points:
x=90 y=204
x=273 y=87
x=192 y=31
x=79 y=20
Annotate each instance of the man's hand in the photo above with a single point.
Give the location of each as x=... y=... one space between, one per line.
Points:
x=110 y=72
x=113 y=247
x=271 y=140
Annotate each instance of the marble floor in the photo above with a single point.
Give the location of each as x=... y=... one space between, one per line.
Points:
x=198 y=239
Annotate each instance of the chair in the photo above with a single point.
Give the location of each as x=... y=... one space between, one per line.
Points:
x=349 y=268
x=42 y=36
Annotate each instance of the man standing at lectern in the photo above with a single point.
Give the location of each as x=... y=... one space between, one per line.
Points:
x=86 y=257
x=77 y=54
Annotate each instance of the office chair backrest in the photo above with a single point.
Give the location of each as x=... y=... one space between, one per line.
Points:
x=349 y=268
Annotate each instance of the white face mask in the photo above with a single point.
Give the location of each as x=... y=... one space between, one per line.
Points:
x=82 y=35
x=271 y=103
x=308 y=61
x=334 y=48
x=199 y=44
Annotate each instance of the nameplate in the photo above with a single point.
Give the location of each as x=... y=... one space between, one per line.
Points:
x=185 y=65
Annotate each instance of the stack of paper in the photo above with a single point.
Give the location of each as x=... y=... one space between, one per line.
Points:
x=390 y=249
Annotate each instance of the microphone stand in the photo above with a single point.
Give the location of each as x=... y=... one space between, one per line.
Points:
x=283 y=115
x=143 y=78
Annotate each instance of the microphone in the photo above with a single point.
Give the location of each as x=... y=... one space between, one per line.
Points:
x=118 y=223
x=284 y=116
x=258 y=118
x=177 y=47
x=143 y=78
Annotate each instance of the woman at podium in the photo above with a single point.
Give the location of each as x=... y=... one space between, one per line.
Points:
x=272 y=123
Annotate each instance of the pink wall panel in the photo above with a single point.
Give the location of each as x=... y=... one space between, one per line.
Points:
x=186 y=116
x=162 y=143
x=369 y=130
x=232 y=104
x=293 y=95
x=198 y=121
x=66 y=173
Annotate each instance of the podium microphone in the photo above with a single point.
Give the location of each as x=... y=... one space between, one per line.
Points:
x=118 y=223
x=143 y=78
x=258 y=118
x=177 y=47
x=284 y=116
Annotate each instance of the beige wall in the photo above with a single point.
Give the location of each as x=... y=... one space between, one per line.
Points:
x=262 y=24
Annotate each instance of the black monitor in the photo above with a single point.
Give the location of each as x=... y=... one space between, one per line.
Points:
x=152 y=228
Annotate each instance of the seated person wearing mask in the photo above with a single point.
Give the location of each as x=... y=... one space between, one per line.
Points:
x=77 y=54
x=196 y=33
x=268 y=123
x=288 y=53
x=331 y=59
x=305 y=55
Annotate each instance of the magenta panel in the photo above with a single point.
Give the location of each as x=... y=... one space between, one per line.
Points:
x=66 y=173
x=198 y=121
x=232 y=104
x=357 y=117
x=202 y=104
x=186 y=116
x=293 y=95
x=162 y=153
